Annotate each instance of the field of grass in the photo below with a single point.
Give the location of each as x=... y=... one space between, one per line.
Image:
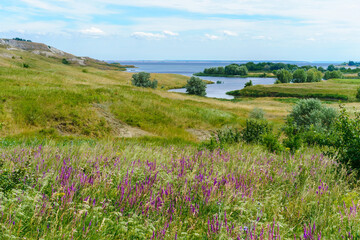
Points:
x=70 y=167
x=52 y=98
x=343 y=89
x=138 y=190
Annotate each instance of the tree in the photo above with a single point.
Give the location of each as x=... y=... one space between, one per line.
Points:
x=196 y=86
x=248 y=84
x=331 y=67
x=242 y=71
x=313 y=75
x=284 y=76
x=299 y=76
x=231 y=69
x=333 y=74
x=142 y=79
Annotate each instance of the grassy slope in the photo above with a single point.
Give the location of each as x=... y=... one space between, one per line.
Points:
x=346 y=87
x=52 y=97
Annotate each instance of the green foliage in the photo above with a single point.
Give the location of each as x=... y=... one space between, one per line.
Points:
x=255 y=129
x=333 y=74
x=65 y=61
x=248 y=84
x=257 y=113
x=284 y=76
x=311 y=112
x=222 y=138
x=142 y=79
x=25 y=65
x=313 y=75
x=299 y=76
x=251 y=92
x=10 y=180
x=331 y=68
x=344 y=140
x=358 y=94
x=271 y=142
x=196 y=86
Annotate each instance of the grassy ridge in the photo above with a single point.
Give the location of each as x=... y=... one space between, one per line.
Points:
x=341 y=89
x=51 y=97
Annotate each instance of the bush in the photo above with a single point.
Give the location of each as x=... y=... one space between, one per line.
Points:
x=221 y=138
x=65 y=61
x=358 y=94
x=333 y=74
x=25 y=65
x=284 y=76
x=299 y=76
x=248 y=84
x=271 y=142
x=254 y=130
x=344 y=140
x=196 y=86
x=313 y=75
x=311 y=112
x=257 y=113
x=142 y=79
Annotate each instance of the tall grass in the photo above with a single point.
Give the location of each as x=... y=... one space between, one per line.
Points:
x=151 y=191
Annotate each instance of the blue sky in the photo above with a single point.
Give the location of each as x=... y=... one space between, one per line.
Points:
x=309 y=30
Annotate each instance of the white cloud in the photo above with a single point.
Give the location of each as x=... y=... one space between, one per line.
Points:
x=93 y=31
x=212 y=37
x=230 y=33
x=169 y=33
x=147 y=35
x=311 y=39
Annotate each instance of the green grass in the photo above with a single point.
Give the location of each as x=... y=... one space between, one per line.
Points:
x=137 y=189
x=341 y=89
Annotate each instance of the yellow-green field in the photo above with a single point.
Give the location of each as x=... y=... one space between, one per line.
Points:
x=51 y=98
x=344 y=89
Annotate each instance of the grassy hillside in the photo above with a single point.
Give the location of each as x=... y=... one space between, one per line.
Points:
x=343 y=89
x=48 y=97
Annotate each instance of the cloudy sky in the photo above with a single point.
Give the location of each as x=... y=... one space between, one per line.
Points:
x=309 y=30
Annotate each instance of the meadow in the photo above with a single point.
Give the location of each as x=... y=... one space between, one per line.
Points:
x=337 y=89
x=139 y=190
x=86 y=155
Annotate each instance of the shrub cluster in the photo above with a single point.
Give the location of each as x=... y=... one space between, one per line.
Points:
x=196 y=86
x=142 y=79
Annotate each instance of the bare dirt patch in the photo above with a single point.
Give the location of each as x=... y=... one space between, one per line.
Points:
x=118 y=128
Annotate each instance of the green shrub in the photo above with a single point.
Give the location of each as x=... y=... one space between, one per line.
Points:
x=271 y=142
x=299 y=76
x=25 y=65
x=142 y=79
x=344 y=140
x=313 y=75
x=257 y=113
x=358 y=94
x=222 y=138
x=65 y=61
x=196 y=86
x=293 y=143
x=85 y=70
x=333 y=74
x=254 y=130
x=248 y=84
x=284 y=76
x=311 y=112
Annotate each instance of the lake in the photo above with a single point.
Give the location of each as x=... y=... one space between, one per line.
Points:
x=188 y=68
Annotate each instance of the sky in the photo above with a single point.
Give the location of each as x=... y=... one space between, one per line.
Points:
x=306 y=30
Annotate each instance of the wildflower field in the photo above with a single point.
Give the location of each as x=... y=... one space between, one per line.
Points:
x=138 y=190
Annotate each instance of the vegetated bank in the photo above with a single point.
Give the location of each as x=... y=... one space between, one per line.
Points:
x=337 y=89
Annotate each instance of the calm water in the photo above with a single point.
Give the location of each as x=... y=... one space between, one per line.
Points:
x=188 y=68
